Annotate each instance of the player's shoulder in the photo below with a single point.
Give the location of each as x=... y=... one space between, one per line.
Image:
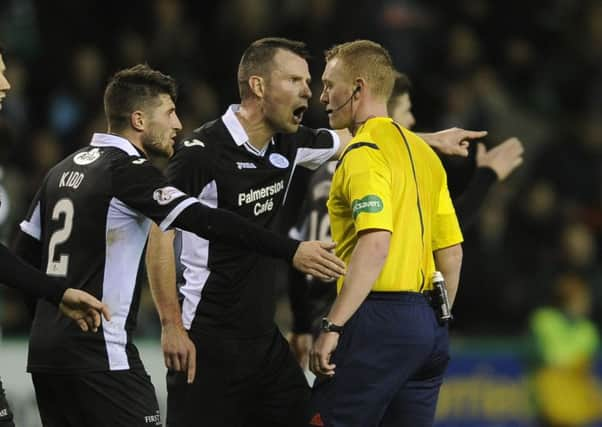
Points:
x=201 y=140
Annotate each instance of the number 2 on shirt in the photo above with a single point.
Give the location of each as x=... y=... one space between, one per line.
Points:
x=64 y=208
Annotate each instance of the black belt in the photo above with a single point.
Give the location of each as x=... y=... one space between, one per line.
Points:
x=398 y=295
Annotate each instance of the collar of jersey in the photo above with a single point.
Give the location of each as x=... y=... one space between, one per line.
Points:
x=109 y=140
x=238 y=133
x=372 y=121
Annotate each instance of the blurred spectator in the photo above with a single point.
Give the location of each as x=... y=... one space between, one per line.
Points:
x=565 y=343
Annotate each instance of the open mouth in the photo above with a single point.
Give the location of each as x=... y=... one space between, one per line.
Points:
x=298 y=113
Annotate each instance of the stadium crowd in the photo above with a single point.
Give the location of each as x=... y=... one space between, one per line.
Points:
x=526 y=69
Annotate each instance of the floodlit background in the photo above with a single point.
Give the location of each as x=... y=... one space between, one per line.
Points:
x=531 y=69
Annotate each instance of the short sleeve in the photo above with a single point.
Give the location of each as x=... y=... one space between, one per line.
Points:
x=138 y=184
x=315 y=146
x=446 y=229
x=32 y=224
x=367 y=187
x=189 y=168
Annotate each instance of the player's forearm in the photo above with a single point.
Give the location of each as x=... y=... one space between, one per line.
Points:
x=227 y=227
x=17 y=274
x=160 y=265
x=367 y=261
x=449 y=262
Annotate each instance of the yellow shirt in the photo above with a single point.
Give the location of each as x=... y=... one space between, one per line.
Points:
x=379 y=185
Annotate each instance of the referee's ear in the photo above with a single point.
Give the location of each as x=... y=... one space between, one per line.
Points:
x=137 y=120
x=257 y=86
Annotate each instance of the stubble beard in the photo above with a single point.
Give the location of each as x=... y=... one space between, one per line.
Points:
x=155 y=147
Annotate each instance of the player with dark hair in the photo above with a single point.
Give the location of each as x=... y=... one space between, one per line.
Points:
x=241 y=162
x=78 y=305
x=89 y=224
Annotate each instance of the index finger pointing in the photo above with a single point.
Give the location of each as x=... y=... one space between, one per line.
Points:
x=473 y=134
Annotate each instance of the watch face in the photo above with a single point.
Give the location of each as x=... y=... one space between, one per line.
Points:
x=325 y=324
x=328 y=326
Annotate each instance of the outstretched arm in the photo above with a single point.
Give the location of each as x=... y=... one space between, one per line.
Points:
x=453 y=142
x=312 y=257
x=78 y=305
x=492 y=166
x=16 y=273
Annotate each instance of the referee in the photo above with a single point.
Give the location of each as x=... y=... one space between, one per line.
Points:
x=394 y=222
x=311 y=301
x=89 y=224
x=78 y=305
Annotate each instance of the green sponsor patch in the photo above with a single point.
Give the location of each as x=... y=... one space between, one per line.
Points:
x=368 y=204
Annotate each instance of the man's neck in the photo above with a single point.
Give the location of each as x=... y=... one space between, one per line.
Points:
x=132 y=137
x=254 y=123
x=366 y=112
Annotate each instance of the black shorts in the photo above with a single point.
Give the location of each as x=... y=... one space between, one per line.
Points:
x=97 y=399
x=240 y=383
x=6 y=416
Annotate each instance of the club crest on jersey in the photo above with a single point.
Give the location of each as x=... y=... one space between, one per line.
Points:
x=165 y=195
x=279 y=160
x=87 y=157
x=369 y=204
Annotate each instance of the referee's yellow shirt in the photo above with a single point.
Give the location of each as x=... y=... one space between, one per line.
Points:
x=385 y=183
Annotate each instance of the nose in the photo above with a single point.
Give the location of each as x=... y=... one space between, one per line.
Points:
x=306 y=92
x=4 y=84
x=411 y=121
x=324 y=97
x=177 y=124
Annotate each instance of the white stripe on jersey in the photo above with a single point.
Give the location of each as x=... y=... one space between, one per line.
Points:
x=126 y=234
x=32 y=226
x=176 y=211
x=313 y=158
x=194 y=258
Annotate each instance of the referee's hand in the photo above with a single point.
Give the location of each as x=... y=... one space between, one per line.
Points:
x=316 y=258
x=319 y=357
x=179 y=351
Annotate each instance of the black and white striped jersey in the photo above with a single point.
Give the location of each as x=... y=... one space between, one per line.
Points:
x=227 y=290
x=91 y=216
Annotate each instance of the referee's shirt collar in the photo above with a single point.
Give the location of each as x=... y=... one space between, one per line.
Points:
x=238 y=133
x=110 y=140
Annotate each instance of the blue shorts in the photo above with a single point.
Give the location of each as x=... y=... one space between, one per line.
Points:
x=390 y=362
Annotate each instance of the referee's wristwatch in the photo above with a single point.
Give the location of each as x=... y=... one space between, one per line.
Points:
x=328 y=326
